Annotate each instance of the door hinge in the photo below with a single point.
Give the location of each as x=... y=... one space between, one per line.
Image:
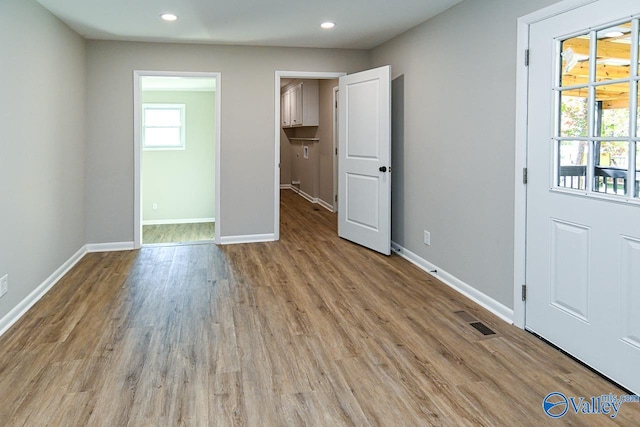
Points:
x=336 y=151
x=524 y=292
x=526 y=57
x=336 y=197
x=525 y=175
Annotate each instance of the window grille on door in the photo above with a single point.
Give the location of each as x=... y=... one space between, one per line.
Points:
x=596 y=140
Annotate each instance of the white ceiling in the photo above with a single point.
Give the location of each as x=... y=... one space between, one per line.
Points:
x=360 y=24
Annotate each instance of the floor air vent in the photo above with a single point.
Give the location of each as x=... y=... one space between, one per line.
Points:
x=477 y=325
x=484 y=329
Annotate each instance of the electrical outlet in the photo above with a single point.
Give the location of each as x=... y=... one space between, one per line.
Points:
x=427 y=238
x=4 y=285
x=155 y=206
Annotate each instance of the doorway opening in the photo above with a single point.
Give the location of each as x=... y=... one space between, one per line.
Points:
x=305 y=139
x=177 y=157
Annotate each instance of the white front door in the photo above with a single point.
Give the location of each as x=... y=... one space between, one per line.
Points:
x=583 y=210
x=364 y=166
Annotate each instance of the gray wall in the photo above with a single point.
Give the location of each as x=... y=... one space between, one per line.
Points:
x=62 y=187
x=247 y=126
x=454 y=168
x=306 y=171
x=182 y=182
x=42 y=113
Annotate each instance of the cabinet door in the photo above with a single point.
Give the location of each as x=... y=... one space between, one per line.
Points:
x=296 y=105
x=285 y=109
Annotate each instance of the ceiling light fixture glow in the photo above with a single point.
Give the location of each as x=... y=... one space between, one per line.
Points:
x=168 y=17
x=327 y=25
x=612 y=34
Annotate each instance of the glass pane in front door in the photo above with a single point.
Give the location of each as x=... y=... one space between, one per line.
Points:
x=613 y=50
x=575 y=61
x=595 y=129
x=572 y=172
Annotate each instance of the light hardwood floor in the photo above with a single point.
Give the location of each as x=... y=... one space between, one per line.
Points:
x=178 y=233
x=311 y=330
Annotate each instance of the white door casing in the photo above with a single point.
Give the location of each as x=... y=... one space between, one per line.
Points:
x=364 y=165
x=318 y=75
x=583 y=248
x=137 y=146
x=336 y=135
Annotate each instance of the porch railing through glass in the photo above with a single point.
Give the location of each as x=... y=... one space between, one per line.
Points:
x=609 y=180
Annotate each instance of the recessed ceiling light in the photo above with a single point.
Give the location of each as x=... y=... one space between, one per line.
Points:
x=168 y=17
x=327 y=25
x=612 y=34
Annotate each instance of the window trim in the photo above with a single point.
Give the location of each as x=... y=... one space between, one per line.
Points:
x=164 y=106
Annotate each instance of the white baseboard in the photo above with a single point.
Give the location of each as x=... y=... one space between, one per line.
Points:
x=311 y=199
x=250 y=238
x=19 y=310
x=308 y=197
x=177 y=221
x=285 y=186
x=110 y=247
x=325 y=205
x=495 y=307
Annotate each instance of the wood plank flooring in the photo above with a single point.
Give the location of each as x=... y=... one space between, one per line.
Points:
x=178 y=233
x=311 y=330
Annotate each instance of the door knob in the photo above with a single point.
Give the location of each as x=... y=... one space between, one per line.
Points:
x=382 y=168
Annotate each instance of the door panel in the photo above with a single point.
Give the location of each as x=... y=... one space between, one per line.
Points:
x=361 y=191
x=583 y=227
x=630 y=291
x=363 y=130
x=364 y=167
x=569 y=257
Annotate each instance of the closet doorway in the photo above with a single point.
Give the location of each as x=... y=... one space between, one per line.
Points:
x=177 y=157
x=306 y=138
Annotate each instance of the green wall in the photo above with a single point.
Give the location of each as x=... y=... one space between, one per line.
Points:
x=182 y=182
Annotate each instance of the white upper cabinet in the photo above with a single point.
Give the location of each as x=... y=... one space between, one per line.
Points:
x=299 y=104
x=296 y=106
x=285 y=109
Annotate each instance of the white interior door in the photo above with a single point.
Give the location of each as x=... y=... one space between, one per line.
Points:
x=364 y=166
x=583 y=210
